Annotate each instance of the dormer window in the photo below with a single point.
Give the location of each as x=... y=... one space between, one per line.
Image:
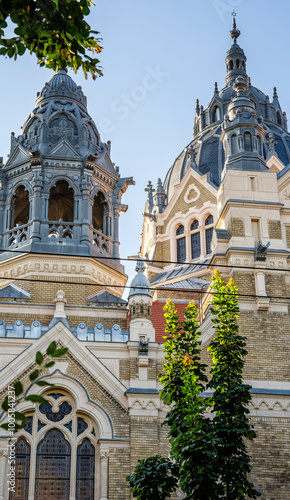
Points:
x=216 y=114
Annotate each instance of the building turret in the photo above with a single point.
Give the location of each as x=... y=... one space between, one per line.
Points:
x=235 y=59
x=61 y=193
x=140 y=303
x=243 y=133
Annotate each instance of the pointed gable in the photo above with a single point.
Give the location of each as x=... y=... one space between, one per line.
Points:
x=19 y=155
x=64 y=150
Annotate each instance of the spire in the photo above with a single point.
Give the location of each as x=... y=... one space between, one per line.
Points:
x=216 y=90
x=150 y=190
x=236 y=59
x=234 y=33
x=160 y=196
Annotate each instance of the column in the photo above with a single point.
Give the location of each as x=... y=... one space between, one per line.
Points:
x=104 y=456
x=202 y=241
x=36 y=211
x=84 y=214
x=260 y=284
x=116 y=232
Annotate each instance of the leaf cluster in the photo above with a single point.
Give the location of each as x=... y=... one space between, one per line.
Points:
x=43 y=362
x=154 y=478
x=54 y=30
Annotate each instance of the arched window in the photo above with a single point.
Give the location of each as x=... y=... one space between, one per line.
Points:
x=208 y=232
x=85 y=470
x=22 y=465
x=238 y=63
x=216 y=114
x=248 y=141
x=63 y=446
x=99 y=213
x=279 y=119
x=234 y=144
x=53 y=467
x=231 y=65
x=180 y=244
x=61 y=202
x=195 y=239
x=20 y=207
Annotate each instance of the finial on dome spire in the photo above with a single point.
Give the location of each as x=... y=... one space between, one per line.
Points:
x=234 y=33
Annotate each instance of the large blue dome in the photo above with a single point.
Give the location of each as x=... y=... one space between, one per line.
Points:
x=206 y=148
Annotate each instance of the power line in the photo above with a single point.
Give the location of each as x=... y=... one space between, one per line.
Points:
x=147 y=261
x=163 y=289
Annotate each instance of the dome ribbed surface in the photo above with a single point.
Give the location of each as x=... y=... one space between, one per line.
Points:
x=60 y=78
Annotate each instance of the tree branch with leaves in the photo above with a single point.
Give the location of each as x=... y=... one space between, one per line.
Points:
x=54 y=30
x=17 y=390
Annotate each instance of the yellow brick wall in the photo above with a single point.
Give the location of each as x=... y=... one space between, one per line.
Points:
x=274 y=227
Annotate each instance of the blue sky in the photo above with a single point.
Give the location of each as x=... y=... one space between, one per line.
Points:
x=158 y=58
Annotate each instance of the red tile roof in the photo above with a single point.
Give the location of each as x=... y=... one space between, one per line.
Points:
x=158 y=320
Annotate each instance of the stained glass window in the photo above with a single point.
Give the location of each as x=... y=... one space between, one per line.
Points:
x=85 y=471
x=53 y=467
x=28 y=425
x=63 y=410
x=40 y=425
x=69 y=426
x=82 y=426
x=55 y=395
x=194 y=225
x=180 y=230
x=208 y=220
x=195 y=245
x=22 y=462
x=181 y=249
x=208 y=237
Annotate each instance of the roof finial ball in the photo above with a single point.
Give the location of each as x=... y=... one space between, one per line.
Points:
x=234 y=33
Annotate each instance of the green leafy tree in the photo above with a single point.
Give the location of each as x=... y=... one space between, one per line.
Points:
x=210 y=454
x=231 y=396
x=17 y=391
x=153 y=478
x=190 y=428
x=54 y=30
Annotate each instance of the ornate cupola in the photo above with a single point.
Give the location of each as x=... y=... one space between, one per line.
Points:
x=242 y=132
x=140 y=303
x=235 y=59
x=61 y=193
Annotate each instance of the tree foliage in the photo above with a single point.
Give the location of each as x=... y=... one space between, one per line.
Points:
x=207 y=430
x=154 y=478
x=17 y=391
x=54 y=30
x=190 y=430
x=231 y=396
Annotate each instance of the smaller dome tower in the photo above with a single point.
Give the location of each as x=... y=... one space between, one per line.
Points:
x=235 y=59
x=242 y=132
x=140 y=303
